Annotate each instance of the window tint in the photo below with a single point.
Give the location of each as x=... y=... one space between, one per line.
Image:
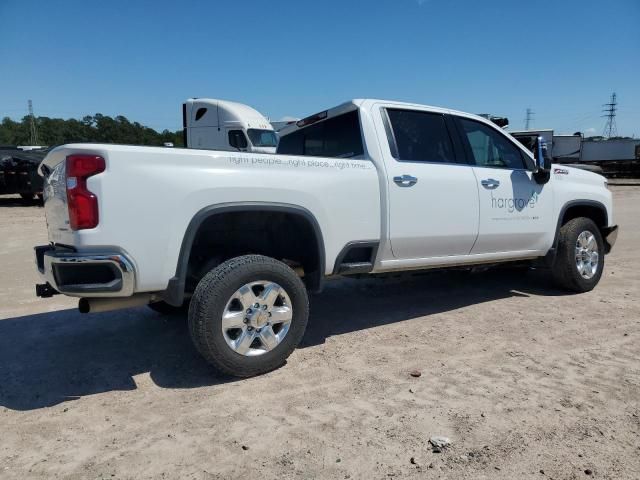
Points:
x=490 y=148
x=200 y=113
x=420 y=136
x=237 y=139
x=337 y=137
x=292 y=144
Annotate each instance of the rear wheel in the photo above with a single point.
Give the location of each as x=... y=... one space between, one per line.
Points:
x=580 y=257
x=248 y=314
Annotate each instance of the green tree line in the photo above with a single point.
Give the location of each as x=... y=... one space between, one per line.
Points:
x=97 y=128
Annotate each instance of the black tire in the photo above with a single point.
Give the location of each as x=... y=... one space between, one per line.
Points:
x=27 y=197
x=165 y=309
x=211 y=297
x=565 y=271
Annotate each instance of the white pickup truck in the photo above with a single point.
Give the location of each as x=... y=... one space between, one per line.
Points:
x=367 y=187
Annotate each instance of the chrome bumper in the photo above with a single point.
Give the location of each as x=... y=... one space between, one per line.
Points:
x=85 y=274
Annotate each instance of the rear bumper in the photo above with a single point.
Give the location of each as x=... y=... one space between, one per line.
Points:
x=103 y=274
x=610 y=236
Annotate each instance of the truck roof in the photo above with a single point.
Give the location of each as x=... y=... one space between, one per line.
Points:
x=366 y=103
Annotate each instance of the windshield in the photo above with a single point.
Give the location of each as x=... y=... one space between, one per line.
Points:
x=262 y=138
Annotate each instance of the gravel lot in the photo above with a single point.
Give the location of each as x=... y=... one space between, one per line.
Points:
x=526 y=381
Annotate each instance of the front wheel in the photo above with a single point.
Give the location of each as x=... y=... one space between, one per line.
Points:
x=580 y=258
x=248 y=314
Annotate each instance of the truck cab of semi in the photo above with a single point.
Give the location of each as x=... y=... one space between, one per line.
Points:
x=211 y=124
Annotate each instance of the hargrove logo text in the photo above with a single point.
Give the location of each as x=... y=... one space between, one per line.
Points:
x=512 y=204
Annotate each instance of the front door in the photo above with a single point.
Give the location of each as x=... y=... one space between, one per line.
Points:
x=515 y=211
x=433 y=196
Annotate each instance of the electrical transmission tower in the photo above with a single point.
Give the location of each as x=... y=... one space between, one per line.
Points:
x=528 y=119
x=609 y=111
x=32 y=122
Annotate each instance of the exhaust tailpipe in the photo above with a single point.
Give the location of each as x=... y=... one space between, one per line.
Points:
x=95 y=305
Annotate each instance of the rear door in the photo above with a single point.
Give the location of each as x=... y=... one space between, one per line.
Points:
x=516 y=213
x=433 y=194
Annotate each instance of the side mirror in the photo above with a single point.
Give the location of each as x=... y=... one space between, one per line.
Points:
x=543 y=161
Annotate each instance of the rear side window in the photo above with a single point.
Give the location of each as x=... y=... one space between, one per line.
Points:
x=420 y=136
x=200 y=113
x=491 y=148
x=336 y=137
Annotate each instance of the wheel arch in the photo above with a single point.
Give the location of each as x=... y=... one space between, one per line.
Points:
x=175 y=292
x=592 y=209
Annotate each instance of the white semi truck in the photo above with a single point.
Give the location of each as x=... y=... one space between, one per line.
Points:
x=366 y=188
x=212 y=124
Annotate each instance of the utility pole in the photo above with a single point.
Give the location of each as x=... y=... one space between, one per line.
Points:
x=528 y=119
x=609 y=110
x=34 y=129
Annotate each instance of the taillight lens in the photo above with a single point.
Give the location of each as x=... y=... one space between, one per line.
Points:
x=83 y=204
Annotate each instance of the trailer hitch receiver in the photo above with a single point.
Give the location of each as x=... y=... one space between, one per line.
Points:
x=45 y=290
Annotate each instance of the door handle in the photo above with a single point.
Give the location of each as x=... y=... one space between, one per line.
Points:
x=405 y=180
x=490 y=183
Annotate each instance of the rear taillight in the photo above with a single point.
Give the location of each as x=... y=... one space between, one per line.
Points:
x=83 y=204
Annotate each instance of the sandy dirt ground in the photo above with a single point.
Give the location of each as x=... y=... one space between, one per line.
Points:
x=526 y=381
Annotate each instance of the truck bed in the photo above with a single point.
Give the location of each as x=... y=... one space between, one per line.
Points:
x=148 y=196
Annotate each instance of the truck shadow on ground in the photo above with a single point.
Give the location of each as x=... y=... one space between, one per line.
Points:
x=49 y=358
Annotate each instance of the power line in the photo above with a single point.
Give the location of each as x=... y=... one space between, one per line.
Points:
x=609 y=111
x=34 y=129
x=528 y=119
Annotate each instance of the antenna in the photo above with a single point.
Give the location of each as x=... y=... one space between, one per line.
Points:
x=609 y=111
x=33 y=140
x=528 y=119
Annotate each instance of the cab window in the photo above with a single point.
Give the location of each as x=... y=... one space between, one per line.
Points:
x=336 y=137
x=490 y=148
x=419 y=136
x=237 y=139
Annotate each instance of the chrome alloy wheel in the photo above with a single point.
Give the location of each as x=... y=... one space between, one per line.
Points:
x=587 y=256
x=256 y=318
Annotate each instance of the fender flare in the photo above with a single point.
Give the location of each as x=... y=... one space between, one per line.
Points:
x=174 y=294
x=549 y=258
x=579 y=203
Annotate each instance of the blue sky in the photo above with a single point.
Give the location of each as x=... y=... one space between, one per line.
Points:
x=141 y=59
